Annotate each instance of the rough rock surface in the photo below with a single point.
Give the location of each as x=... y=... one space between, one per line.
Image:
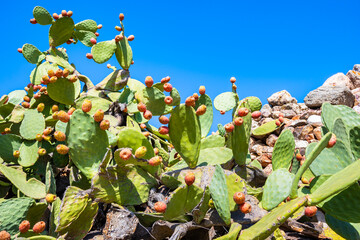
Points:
x=339 y=79
x=281 y=98
x=336 y=95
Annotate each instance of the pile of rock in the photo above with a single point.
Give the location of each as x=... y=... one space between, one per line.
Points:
x=304 y=119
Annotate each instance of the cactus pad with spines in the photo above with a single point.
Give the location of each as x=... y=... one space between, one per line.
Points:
x=154 y=101
x=64 y=91
x=185 y=133
x=32 y=124
x=330 y=113
x=354 y=136
x=8 y=144
x=42 y=16
x=61 y=31
x=346 y=230
x=40 y=71
x=254 y=103
x=59 y=60
x=97 y=103
x=28 y=153
x=340 y=132
x=225 y=101
x=124 y=53
x=212 y=141
x=283 y=150
x=175 y=96
x=86 y=25
x=207 y=118
x=32 y=54
x=265 y=129
x=85 y=37
x=103 y=51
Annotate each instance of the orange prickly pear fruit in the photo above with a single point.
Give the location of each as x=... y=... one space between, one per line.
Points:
x=155 y=161
x=125 y=154
x=149 y=81
x=245 y=208
x=163 y=130
x=238 y=121
x=62 y=149
x=332 y=141
x=50 y=198
x=55 y=108
x=160 y=207
x=140 y=152
x=16 y=153
x=42 y=151
x=60 y=136
x=141 y=107
x=104 y=124
x=229 y=127
x=310 y=211
x=4 y=235
x=168 y=100
x=243 y=112
x=163 y=119
x=201 y=110
x=40 y=107
x=167 y=87
x=147 y=115
x=232 y=79
x=256 y=114
x=202 y=90
x=63 y=116
x=39 y=227
x=239 y=197
x=86 y=105
x=99 y=115
x=24 y=226
x=189 y=178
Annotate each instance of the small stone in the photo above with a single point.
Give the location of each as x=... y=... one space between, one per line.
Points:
x=268 y=169
x=354 y=77
x=271 y=140
x=317 y=133
x=314 y=120
x=281 y=98
x=266 y=111
x=301 y=144
x=306 y=130
x=298 y=123
x=264 y=160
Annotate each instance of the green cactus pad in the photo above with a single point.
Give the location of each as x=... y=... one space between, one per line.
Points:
x=277 y=188
x=240 y=137
x=272 y=221
x=61 y=52
x=60 y=126
x=87 y=25
x=28 y=153
x=8 y=144
x=283 y=150
x=124 y=185
x=354 y=135
x=265 y=129
x=32 y=124
x=225 y=101
x=340 y=132
x=36 y=212
x=330 y=160
x=103 y=51
x=13 y=212
x=42 y=16
x=176 y=97
x=234 y=184
x=96 y=102
x=16 y=97
x=64 y=91
x=124 y=53
x=185 y=134
x=54 y=213
x=200 y=211
x=32 y=54
x=329 y=113
x=221 y=129
x=153 y=98
x=207 y=118
x=212 y=141
x=61 y=31
x=233 y=232
x=59 y=60
x=50 y=182
x=254 y=103
x=84 y=37
x=350 y=231
x=115 y=81
x=87 y=142
x=41 y=70
x=219 y=194
x=30 y=187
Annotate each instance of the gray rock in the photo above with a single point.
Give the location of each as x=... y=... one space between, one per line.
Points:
x=301 y=144
x=354 y=77
x=337 y=95
x=314 y=120
x=339 y=79
x=286 y=114
x=266 y=111
x=120 y=224
x=281 y=98
x=303 y=106
x=271 y=140
x=298 y=123
x=356 y=67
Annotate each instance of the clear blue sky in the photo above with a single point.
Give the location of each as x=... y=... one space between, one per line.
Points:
x=267 y=45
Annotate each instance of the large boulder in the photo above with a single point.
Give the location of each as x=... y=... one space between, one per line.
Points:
x=281 y=98
x=354 y=77
x=339 y=79
x=336 y=95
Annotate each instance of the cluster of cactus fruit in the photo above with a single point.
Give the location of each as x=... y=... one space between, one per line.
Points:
x=100 y=138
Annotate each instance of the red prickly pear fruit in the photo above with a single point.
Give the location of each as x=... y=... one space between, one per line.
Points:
x=45 y=79
x=163 y=130
x=51 y=73
x=62 y=149
x=40 y=107
x=43 y=89
x=196 y=96
x=239 y=197
x=238 y=121
x=310 y=211
x=55 y=16
x=25 y=104
x=59 y=136
x=70 y=13
x=234 y=87
x=55 y=108
x=118 y=38
x=243 y=112
x=155 y=161
x=147 y=115
x=149 y=81
x=311 y=179
x=42 y=151
x=63 y=116
x=50 y=198
x=141 y=107
x=64 y=13
x=86 y=105
x=97 y=34
x=142 y=125
x=281 y=115
x=256 y=114
x=229 y=127
x=73 y=78
x=202 y=90
x=39 y=227
x=131 y=37
x=26 y=98
x=245 y=208
x=99 y=115
x=146 y=134
x=165 y=79
x=19 y=50
x=304 y=180
x=232 y=79
x=189 y=178
x=89 y=56
x=37 y=96
x=38 y=137
x=168 y=100
x=156 y=151
x=160 y=207
x=104 y=124
x=93 y=40
x=281 y=119
x=118 y=28
x=190 y=101
x=4 y=235
x=53 y=79
x=99 y=26
x=163 y=119
x=59 y=73
x=201 y=110
x=66 y=72
x=71 y=111
x=277 y=122
x=16 y=154
x=299 y=157
x=121 y=16
x=167 y=87
x=33 y=21
x=125 y=154
x=108 y=65
x=140 y=152
x=332 y=141
x=24 y=226
x=222 y=112
x=55 y=115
